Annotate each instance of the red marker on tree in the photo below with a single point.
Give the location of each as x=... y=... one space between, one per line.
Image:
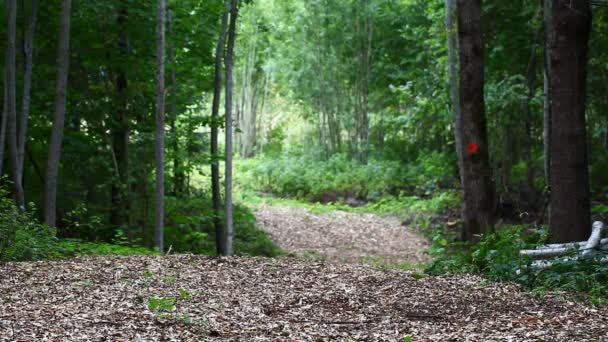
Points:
x=472 y=147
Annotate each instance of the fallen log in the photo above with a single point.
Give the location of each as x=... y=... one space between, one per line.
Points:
x=585 y=247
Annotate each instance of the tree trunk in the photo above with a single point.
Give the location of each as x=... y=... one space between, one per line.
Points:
x=570 y=207
x=11 y=104
x=529 y=189
x=160 y=126
x=450 y=11
x=28 y=48
x=478 y=204
x=229 y=230
x=215 y=166
x=52 y=167
x=3 y=122
x=547 y=94
x=178 y=173
x=121 y=134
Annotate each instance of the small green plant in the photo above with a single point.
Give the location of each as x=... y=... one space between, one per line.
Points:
x=161 y=304
x=407 y=338
x=185 y=295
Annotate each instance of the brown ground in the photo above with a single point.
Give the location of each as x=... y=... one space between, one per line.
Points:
x=254 y=299
x=341 y=236
x=283 y=299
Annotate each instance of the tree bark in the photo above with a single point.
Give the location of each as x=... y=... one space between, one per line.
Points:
x=547 y=94
x=229 y=230
x=121 y=133
x=570 y=199
x=11 y=104
x=28 y=48
x=215 y=165
x=178 y=174
x=160 y=126
x=3 y=121
x=450 y=11
x=52 y=168
x=478 y=204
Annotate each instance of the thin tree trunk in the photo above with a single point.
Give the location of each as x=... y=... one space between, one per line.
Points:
x=12 y=104
x=52 y=167
x=27 y=84
x=450 y=11
x=547 y=93
x=229 y=232
x=160 y=126
x=570 y=199
x=530 y=190
x=178 y=174
x=215 y=165
x=478 y=204
x=121 y=131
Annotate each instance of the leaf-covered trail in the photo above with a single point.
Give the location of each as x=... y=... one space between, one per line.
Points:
x=285 y=299
x=342 y=236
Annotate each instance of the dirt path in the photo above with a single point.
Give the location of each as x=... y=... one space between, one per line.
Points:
x=342 y=236
x=285 y=299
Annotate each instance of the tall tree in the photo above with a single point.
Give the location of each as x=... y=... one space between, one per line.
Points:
x=478 y=188
x=11 y=104
x=28 y=49
x=546 y=92
x=215 y=166
x=121 y=128
x=450 y=13
x=229 y=229
x=160 y=126
x=3 y=121
x=570 y=199
x=54 y=155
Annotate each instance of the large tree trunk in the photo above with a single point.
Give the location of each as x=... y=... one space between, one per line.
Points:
x=478 y=204
x=570 y=207
x=229 y=230
x=52 y=167
x=215 y=165
x=121 y=131
x=11 y=104
x=160 y=126
x=28 y=49
x=3 y=122
x=450 y=11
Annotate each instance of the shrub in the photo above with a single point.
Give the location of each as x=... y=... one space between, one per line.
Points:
x=496 y=257
x=21 y=237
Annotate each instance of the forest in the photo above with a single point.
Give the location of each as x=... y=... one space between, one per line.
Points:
x=304 y=170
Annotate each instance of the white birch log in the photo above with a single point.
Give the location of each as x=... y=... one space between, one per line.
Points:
x=586 y=247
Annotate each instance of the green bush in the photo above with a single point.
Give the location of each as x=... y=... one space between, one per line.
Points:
x=189 y=228
x=305 y=176
x=497 y=258
x=21 y=237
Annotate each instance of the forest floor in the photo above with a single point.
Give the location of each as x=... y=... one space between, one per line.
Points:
x=191 y=298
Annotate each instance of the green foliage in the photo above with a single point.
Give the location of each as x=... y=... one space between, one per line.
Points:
x=161 y=304
x=306 y=176
x=66 y=248
x=497 y=258
x=21 y=237
x=189 y=228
